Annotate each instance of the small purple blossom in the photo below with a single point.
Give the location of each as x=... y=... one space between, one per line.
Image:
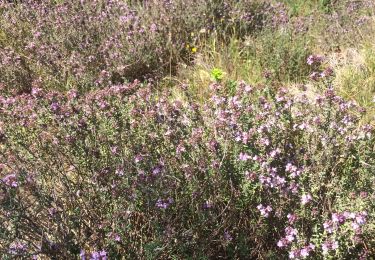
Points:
x=114 y=149
x=180 y=149
x=305 y=251
x=17 y=248
x=294 y=254
x=360 y=218
x=153 y=27
x=95 y=256
x=328 y=226
x=82 y=254
x=314 y=59
x=35 y=92
x=117 y=237
x=282 y=243
x=305 y=198
x=138 y=158
x=55 y=106
x=290 y=234
x=292 y=218
x=329 y=245
x=164 y=204
x=338 y=218
x=52 y=211
x=314 y=76
x=264 y=211
x=244 y=157
x=326 y=73
x=156 y=170
x=10 y=180
x=119 y=172
x=101 y=255
x=227 y=236
x=207 y=204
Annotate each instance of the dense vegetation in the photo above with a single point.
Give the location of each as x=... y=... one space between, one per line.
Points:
x=177 y=129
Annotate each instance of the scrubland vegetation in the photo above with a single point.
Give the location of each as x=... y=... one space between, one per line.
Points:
x=180 y=129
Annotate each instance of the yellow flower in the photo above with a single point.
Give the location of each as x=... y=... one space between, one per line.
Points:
x=193 y=50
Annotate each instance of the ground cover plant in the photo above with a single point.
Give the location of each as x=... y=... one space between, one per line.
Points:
x=187 y=130
x=127 y=172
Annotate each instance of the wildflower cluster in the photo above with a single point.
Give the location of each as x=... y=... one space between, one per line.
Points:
x=57 y=45
x=315 y=61
x=122 y=170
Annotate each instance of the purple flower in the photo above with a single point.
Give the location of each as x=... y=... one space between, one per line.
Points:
x=314 y=59
x=180 y=149
x=10 y=180
x=327 y=72
x=292 y=218
x=335 y=245
x=55 y=106
x=119 y=172
x=325 y=247
x=17 y=248
x=328 y=226
x=291 y=234
x=264 y=211
x=310 y=60
x=207 y=205
x=338 y=218
x=156 y=170
x=114 y=149
x=103 y=254
x=153 y=27
x=82 y=254
x=164 y=204
x=161 y=205
x=304 y=252
x=244 y=157
x=355 y=226
x=360 y=218
x=227 y=236
x=103 y=104
x=72 y=94
x=306 y=198
x=363 y=194
x=329 y=245
x=52 y=211
x=289 y=238
x=35 y=92
x=282 y=243
x=294 y=254
x=314 y=76
x=95 y=256
x=138 y=158
x=117 y=237
x=275 y=152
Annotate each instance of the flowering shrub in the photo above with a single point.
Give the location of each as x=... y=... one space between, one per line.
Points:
x=93 y=43
x=130 y=170
x=95 y=167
